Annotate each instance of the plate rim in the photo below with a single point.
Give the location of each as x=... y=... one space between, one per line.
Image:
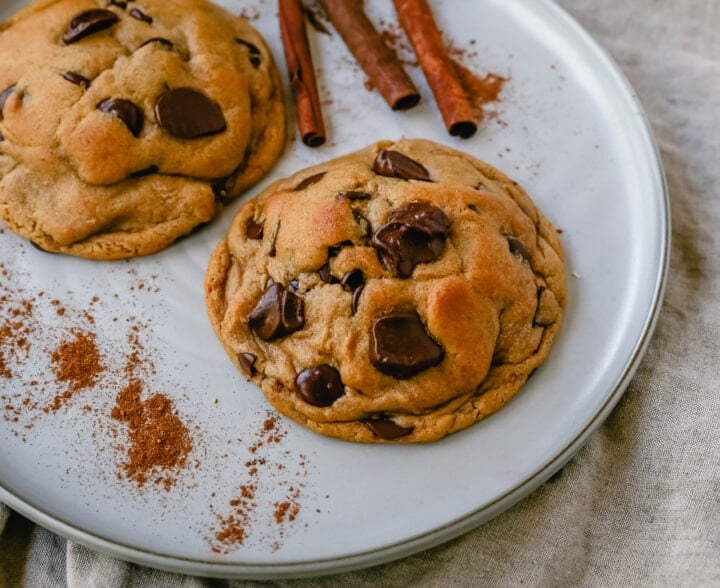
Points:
x=459 y=526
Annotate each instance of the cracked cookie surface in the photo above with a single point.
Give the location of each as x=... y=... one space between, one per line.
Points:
x=397 y=294
x=125 y=124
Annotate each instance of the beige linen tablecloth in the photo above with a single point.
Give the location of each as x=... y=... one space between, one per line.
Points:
x=639 y=505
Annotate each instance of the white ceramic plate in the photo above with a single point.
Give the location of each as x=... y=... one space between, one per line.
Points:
x=568 y=127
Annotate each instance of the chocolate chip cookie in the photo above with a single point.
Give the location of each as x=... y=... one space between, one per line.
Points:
x=397 y=294
x=124 y=124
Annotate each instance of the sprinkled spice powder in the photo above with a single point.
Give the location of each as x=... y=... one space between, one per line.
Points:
x=76 y=362
x=482 y=90
x=255 y=508
x=159 y=442
x=52 y=349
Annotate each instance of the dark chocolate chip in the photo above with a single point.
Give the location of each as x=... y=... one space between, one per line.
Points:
x=294 y=285
x=277 y=313
x=320 y=385
x=387 y=429
x=2 y=137
x=77 y=79
x=119 y=3
x=247 y=363
x=356 y=298
x=148 y=171
x=401 y=347
x=255 y=229
x=187 y=113
x=353 y=279
x=89 y=22
x=140 y=15
x=253 y=51
x=517 y=248
x=353 y=195
x=394 y=164
x=4 y=96
x=414 y=233
x=126 y=111
x=309 y=181
x=326 y=276
x=160 y=41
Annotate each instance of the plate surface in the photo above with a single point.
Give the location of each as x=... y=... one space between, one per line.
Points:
x=568 y=127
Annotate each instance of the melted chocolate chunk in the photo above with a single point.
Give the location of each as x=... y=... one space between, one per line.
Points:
x=187 y=113
x=77 y=79
x=320 y=385
x=326 y=276
x=89 y=22
x=353 y=195
x=352 y=280
x=414 y=233
x=277 y=313
x=387 y=429
x=255 y=229
x=401 y=347
x=247 y=363
x=253 y=52
x=126 y=111
x=394 y=164
x=140 y=15
x=356 y=298
x=517 y=248
x=309 y=181
x=160 y=41
x=4 y=96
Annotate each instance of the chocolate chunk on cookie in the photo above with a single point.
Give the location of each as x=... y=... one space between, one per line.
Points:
x=395 y=295
x=125 y=125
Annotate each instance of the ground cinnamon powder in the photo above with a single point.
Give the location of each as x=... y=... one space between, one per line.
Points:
x=76 y=362
x=482 y=90
x=245 y=513
x=159 y=442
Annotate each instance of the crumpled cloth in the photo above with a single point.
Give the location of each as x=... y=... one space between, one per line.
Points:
x=639 y=504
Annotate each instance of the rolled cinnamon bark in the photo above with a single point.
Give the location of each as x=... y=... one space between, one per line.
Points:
x=301 y=72
x=379 y=62
x=458 y=112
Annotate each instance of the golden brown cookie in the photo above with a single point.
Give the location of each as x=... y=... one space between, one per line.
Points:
x=400 y=293
x=124 y=124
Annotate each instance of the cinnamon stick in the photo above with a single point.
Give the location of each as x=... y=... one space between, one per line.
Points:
x=457 y=110
x=379 y=62
x=302 y=73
